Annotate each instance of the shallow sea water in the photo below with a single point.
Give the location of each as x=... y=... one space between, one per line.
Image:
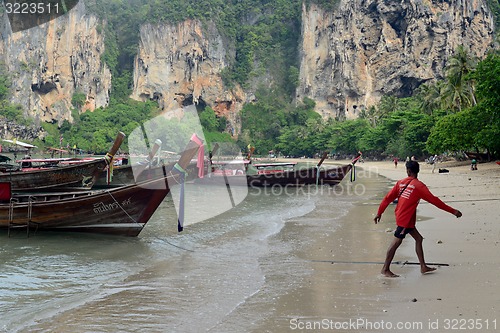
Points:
x=218 y=275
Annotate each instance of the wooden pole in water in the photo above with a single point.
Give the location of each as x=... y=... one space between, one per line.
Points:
x=116 y=145
x=325 y=154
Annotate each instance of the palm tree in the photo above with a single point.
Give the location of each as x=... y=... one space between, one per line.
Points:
x=387 y=105
x=459 y=89
x=430 y=97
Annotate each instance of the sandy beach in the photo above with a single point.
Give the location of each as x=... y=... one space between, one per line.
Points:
x=464 y=294
x=348 y=294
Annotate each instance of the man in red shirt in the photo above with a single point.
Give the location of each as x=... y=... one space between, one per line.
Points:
x=409 y=191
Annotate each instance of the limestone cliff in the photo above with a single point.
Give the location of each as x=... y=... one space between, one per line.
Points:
x=350 y=57
x=11 y=130
x=368 y=48
x=49 y=63
x=181 y=64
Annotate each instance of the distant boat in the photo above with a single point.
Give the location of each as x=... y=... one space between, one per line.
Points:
x=56 y=175
x=119 y=211
x=272 y=174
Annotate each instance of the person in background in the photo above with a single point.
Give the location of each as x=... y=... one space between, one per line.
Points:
x=395 y=162
x=473 y=164
x=409 y=191
x=434 y=160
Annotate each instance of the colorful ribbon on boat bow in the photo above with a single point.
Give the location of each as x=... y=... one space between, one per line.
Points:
x=353 y=169
x=109 y=170
x=201 y=155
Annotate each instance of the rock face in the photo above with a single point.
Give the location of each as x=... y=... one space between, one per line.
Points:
x=351 y=56
x=10 y=130
x=181 y=64
x=368 y=48
x=49 y=63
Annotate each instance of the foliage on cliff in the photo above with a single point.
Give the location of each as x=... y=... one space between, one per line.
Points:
x=264 y=34
x=93 y=131
x=8 y=110
x=459 y=113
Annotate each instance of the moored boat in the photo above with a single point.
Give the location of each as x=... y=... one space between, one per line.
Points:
x=120 y=175
x=56 y=175
x=118 y=211
x=276 y=174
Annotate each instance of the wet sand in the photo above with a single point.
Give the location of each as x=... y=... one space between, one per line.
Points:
x=345 y=291
x=463 y=295
x=342 y=257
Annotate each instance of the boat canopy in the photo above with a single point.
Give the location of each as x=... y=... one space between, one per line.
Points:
x=20 y=143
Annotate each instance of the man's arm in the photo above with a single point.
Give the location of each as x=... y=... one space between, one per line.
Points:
x=432 y=199
x=389 y=197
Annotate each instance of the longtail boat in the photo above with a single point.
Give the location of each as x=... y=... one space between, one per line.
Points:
x=72 y=176
x=130 y=174
x=276 y=174
x=118 y=211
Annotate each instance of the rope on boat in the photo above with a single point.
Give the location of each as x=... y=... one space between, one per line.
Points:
x=173 y=176
x=121 y=207
x=177 y=246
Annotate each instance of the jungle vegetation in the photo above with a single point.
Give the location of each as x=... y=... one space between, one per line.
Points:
x=457 y=113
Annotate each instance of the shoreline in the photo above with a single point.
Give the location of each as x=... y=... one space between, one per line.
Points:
x=352 y=289
x=343 y=284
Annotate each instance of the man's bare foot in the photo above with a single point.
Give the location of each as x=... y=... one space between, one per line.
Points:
x=388 y=273
x=427 y=269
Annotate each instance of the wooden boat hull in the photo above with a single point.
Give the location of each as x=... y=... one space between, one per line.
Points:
x=77 y=176
x=119 y=211
x=308 y=176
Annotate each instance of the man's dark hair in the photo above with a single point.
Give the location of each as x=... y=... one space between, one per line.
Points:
x=413 y=166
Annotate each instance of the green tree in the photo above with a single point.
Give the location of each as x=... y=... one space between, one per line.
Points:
x=459 y=89
x=345 y=135
x=430 y=97
x=487 y=112
x=78 y=100
x=4 y=85
x=453 y=132
x=209 y=120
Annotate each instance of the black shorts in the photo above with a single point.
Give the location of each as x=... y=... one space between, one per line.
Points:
x=401 y=232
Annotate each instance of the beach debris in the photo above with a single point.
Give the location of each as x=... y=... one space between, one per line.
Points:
x=439 y=299
x=388 y=230
x=439 y=242
x=414 y=300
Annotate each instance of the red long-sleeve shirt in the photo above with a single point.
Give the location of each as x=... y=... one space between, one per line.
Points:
x=406 y=209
